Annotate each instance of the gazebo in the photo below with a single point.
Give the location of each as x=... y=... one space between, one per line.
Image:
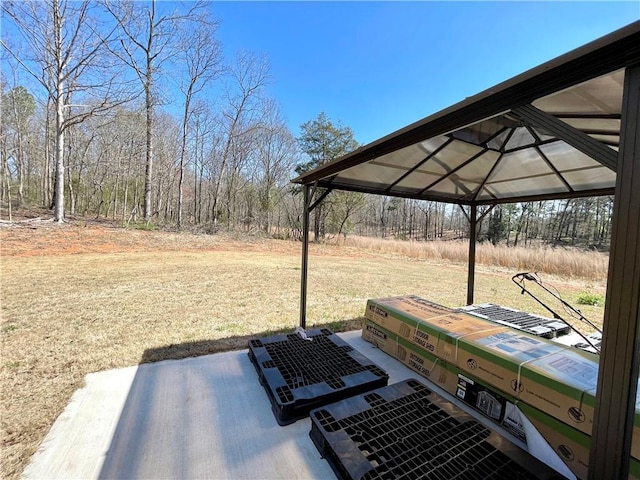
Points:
x=567 y=128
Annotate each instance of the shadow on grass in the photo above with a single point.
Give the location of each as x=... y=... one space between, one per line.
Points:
x=239 y=342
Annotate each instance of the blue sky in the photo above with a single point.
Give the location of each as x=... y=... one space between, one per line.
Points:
x=378 y=66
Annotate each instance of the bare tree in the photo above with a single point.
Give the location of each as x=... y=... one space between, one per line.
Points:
x=5 y=186
x=167 y=151
x=66 y=47
x=276 y=158
x=248 y=76
x=149 y=42
x=18 y=106
x=205 y=143
x=201 y=55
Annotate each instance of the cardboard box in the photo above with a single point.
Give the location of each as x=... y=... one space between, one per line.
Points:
x=558 y=380
x=500 y=359
x=578 y=371
x=563 y=385
x=415 y=358
x=414 y=307
x=571 y=445
x=428 y=325
x=495 y=354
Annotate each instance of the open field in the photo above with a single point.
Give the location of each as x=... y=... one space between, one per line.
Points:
x=78 y=299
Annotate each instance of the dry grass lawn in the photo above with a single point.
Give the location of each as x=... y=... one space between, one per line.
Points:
x=78 y=299
x=568 y=262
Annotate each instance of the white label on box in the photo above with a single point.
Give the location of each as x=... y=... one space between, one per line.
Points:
x=518 y=346
x=571 y=368
x=513 y=421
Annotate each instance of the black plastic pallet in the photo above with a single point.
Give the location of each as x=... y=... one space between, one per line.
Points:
x=534 y=324
x=301 y=374
x=406 y=431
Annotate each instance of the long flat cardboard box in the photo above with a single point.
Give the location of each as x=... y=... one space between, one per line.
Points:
x=422 y=362
x=473 y=386
x=572 y=446
x=558 y=380
x=426 y=324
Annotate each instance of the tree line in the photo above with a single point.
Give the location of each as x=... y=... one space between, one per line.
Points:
x=580 y=222
x=134 y=112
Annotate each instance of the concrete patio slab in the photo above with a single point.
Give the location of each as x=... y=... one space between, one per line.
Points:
x=203 y=417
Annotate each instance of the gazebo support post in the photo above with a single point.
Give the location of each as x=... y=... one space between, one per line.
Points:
x=619 y=361
x=308 y=208
x=305 y=256
x=473 y=232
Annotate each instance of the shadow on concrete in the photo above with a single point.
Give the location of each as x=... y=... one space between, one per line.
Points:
x=207 y=347
x=207 y=416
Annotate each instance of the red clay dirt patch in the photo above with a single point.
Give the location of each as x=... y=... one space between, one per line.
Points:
x=47 y=238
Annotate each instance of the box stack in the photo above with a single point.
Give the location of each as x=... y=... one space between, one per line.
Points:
x=494 y=367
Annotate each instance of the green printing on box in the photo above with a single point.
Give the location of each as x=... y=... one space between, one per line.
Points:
x=428 y=325
x=556 y=379
x=411 y=355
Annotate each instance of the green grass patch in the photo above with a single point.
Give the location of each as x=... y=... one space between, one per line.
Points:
x=588 y=298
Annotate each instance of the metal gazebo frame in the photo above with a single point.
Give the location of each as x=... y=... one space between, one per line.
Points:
x=568 y=128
